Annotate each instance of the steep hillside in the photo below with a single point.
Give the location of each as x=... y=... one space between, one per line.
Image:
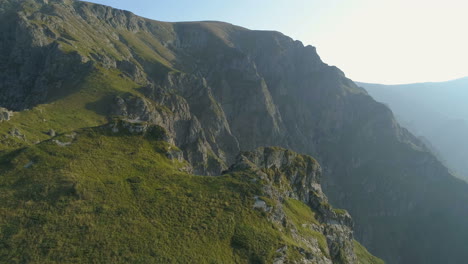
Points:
x=107 y=196
x=217 y=89
x=435 y=111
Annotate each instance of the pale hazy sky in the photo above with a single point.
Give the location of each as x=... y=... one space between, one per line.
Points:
x=391 y=41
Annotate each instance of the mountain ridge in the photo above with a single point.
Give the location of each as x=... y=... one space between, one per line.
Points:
x=435 y=111
x=415 y=83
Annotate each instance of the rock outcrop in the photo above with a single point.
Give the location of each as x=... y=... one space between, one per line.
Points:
x=5 y=115
x=185 y=107
x=286 y=174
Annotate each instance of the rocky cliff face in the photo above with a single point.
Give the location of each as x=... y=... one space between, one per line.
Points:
x=33 y=67
x=217 y=89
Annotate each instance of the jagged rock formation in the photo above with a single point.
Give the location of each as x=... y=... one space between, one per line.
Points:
x=217 y=89
x=287 y=174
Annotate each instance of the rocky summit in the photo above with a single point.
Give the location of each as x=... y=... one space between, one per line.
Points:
x=147 y=115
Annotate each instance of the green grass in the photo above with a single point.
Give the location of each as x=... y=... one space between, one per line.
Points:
x=148 y=47
x=300 y=214
x=85 y=104
x=116 y=199
x=364 y=257
x=339 y=211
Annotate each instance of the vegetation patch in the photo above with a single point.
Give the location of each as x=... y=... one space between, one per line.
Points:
x=117 y=198
x=364 y=257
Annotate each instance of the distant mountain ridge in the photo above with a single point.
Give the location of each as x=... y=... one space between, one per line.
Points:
x=436 y=111
x=443 y=97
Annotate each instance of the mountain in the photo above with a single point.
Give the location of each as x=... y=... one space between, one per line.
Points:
x=435 y=111
x=111 y=116
x=89 y=169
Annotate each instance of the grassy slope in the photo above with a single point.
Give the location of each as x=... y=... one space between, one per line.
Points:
x=301 y=216
x=364 y=257
x=84 y=108
x=117 y=198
